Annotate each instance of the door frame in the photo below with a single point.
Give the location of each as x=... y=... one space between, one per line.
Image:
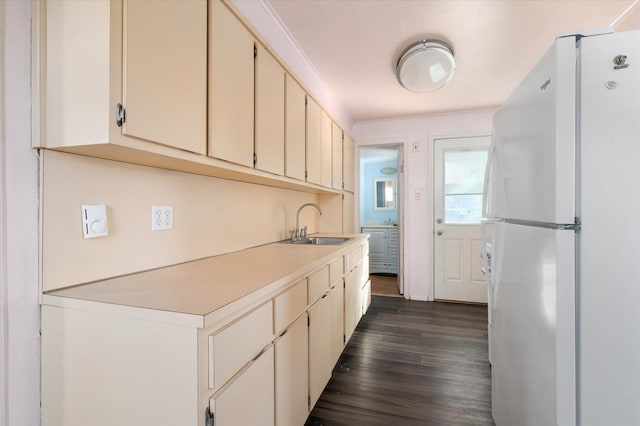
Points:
x=431 y=290
x=403 y=281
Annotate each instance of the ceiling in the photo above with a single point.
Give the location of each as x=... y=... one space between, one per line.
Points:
x=354 y=46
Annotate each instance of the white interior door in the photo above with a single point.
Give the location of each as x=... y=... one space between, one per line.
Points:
x=459 y=165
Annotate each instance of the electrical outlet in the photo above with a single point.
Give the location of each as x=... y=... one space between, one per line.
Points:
x=161 y=218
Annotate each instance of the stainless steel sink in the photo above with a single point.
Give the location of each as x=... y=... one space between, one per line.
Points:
x=327 y=241
x=320 y=241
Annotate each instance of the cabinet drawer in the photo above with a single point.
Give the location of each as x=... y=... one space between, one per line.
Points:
x=318 y=284
x=352 y=258
x=288 y=305
x=249 y=398
x=237 y=344
x=336 y=270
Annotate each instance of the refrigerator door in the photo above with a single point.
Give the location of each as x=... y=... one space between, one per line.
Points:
x=609 y=326
x=532 y=167
x=533 y=326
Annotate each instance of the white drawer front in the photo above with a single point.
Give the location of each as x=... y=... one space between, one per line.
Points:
x=318 y=284
x=290 y=304
x=336 y=270
x=234 y=346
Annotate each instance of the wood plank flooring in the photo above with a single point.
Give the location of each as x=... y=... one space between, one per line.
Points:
x=411 y=363
x=384 y=285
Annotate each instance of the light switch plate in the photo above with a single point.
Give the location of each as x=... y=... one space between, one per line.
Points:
x=94 y=221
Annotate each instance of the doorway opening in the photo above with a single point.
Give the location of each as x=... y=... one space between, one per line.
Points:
x=380 y=207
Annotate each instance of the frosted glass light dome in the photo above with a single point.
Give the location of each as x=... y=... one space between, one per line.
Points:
x=426 y=66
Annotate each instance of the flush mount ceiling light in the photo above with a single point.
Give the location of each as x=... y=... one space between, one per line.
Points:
x=388 y=170
x=425 y=66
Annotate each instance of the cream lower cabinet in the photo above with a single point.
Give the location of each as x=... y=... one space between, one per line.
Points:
x=260 y=364
x=336 y=300
x=291 y=384
x=249 y=397
x=291 y=355
x=320 y=365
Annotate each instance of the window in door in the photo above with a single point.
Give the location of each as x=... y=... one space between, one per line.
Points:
x=464 y=179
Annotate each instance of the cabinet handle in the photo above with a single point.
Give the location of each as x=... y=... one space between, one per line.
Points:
x=120 y=115
x=208 y=417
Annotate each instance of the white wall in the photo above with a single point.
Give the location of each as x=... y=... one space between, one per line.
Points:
x=19 y=293
x=418 y=214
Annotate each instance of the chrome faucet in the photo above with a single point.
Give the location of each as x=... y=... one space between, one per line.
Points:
x=300 y=235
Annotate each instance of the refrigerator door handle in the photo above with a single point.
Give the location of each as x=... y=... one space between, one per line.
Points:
x=487 y=174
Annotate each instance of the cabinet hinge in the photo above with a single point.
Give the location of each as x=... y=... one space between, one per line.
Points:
x=343 y=188
x=209 y=420
x=120 y=115
x=344 y=338
x=308 y=400
x=306 y=175
x=308 y=321
x=305 y=99
x=343 y=196
x=343 y=136
x=255 y=158
x=255 y=51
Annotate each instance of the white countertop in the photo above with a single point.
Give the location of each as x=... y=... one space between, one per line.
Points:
x=198 y=289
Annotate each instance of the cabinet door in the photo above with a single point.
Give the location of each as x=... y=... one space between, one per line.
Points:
x=351 y=290
x=319 y=348
x=292 y=382
x=314 y=142
x=326 y=135
x=336 y=164
x=366 y=296
x=347 y=163
x=231 y=87
x=269 y=140
x=348 y=215
x=295 y=128
x=165 y=72
x=249 y=399
x=336 y=300
x=377 y=241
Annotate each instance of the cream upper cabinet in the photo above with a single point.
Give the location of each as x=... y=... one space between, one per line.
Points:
x=270 y=111
x=348 y=213
x=314 y=142
x=326 y=134
x=231 y=86
x=141 y=63
x=294 y=129
x=164 y=72
x=347 y=163
x=336 y=164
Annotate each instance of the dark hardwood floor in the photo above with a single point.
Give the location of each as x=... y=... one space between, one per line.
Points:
x=411 y=363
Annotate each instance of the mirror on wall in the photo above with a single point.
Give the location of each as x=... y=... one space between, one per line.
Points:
x=384 y=194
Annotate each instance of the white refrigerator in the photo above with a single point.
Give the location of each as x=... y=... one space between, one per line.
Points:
x=562 y=238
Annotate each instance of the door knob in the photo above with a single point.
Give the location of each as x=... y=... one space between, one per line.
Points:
x=439 y=220
x=440 y=232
